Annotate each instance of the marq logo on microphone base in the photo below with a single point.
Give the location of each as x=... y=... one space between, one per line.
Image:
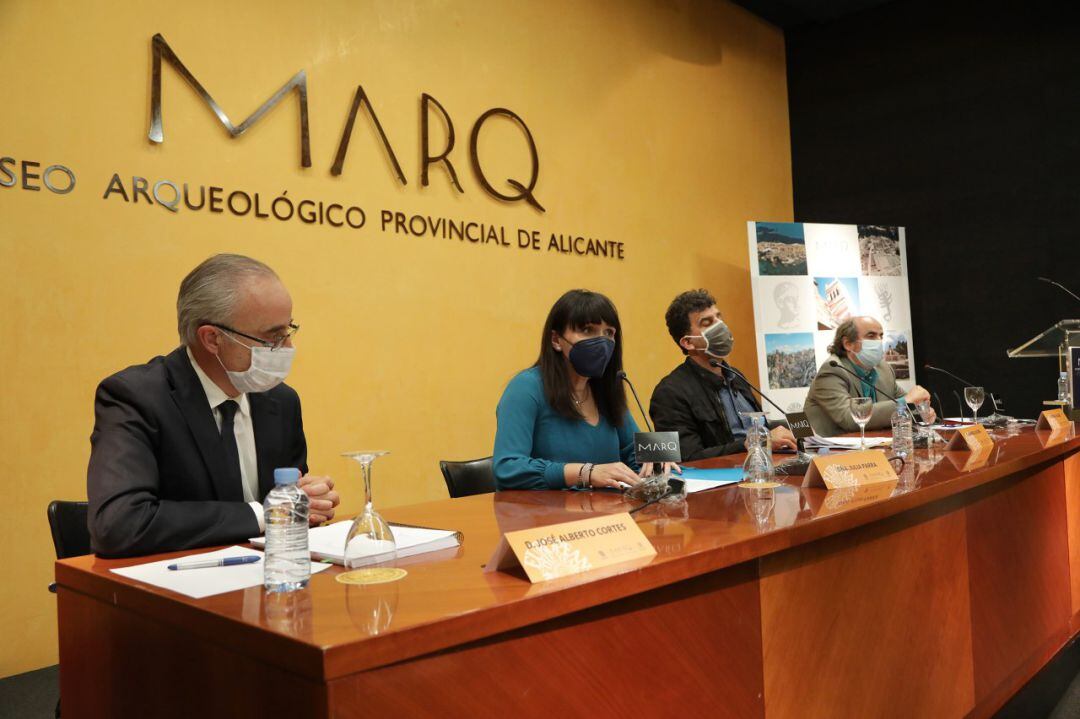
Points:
x=657 y=447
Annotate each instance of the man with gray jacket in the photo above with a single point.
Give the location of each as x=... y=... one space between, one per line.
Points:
x=858 y=348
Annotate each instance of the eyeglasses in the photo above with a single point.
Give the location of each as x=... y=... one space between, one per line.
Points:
x=272 y=345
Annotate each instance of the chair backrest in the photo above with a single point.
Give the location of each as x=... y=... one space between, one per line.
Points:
x=70 y=535
x=473 y=476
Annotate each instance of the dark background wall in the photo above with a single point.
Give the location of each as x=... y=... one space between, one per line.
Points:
x=960 y=122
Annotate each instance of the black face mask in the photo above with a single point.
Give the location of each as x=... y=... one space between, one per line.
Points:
x=590 y=357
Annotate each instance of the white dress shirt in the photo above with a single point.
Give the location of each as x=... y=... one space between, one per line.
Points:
x=245 y=436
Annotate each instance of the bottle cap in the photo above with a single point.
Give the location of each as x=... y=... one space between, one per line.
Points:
x=286 y=475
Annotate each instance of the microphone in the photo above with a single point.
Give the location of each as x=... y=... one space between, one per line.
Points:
x=622 y=375
x=961 y=380
x=737 y=373
x=993 y=399
x=1049 y=281
x=959 y=403
x=834 y=363
x=940 y=406
x=675 y=485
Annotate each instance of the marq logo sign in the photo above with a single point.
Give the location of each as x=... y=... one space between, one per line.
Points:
x=522 y=191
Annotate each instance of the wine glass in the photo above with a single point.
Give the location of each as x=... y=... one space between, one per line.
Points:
x=759 y=502
x=861 y=409
x=370 y=542
x=974 y=397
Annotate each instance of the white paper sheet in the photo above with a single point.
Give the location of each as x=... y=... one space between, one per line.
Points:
x=846 y=442
x=199 y=583
x=328 y=541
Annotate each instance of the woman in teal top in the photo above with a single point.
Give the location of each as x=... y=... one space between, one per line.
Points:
x=564 y=421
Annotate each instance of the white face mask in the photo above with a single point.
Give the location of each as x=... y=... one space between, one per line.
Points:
x=268 y=369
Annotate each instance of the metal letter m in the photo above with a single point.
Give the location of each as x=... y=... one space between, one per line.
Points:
x=160 y=49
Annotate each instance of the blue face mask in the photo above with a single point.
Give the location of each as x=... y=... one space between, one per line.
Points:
x=871 y=354
x=590 y=357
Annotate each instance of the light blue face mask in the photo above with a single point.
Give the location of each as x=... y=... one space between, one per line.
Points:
x=871 y=354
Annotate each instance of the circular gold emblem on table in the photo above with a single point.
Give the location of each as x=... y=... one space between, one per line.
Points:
x=372 y=575
x=760 y=485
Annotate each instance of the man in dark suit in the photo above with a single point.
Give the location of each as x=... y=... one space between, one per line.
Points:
x=184 y=447
x=702 y=398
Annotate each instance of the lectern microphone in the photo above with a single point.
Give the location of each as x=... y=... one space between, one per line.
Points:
x=1049 y=281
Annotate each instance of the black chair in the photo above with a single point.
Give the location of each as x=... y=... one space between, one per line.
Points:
x=473 y=476
x=70 y=535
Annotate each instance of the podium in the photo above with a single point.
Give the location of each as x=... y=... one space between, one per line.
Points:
x=1062 y=340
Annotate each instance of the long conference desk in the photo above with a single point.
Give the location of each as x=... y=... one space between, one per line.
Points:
x=937 y=596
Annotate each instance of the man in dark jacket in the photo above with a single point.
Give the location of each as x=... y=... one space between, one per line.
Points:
x=184 y=447
x=702 y=398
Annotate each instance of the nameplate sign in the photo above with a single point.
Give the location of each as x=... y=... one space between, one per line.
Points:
x=851 y=469
x=560 y=550
x=969 y=461
x=1053 y=419
x=845 y=498
x=1055 y=436
x=657 y=447
x=973 y=439
x=799 y=424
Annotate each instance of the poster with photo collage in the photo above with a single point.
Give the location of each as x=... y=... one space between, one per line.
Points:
x=806 y=280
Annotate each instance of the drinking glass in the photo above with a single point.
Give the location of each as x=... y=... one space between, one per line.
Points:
x=974 y=397
x=370 y=542
x=924 y=430
x=759 y=502
x=861 y=409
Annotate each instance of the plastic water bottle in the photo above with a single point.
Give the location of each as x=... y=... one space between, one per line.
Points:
x=1063 y=388
x=902 y=440
x=287 y=565
x=758 y=466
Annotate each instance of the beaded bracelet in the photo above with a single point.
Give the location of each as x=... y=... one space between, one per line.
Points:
x=585 y=480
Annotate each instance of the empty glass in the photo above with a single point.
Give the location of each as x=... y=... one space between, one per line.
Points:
x=923 y=431
x=370 y=542
x=974 y=397
x=759 y=502
x=861 y=409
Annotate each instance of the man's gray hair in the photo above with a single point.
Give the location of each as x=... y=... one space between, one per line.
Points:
x=846 y=331
x=210 y=292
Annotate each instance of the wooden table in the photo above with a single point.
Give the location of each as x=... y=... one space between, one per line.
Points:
x=935 y=597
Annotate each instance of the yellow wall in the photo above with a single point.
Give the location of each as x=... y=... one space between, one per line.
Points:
x=661 y=124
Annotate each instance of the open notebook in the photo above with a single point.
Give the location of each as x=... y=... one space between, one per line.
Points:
x=327 y=543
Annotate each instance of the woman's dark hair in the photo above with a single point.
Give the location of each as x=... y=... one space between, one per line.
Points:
x=574 y=310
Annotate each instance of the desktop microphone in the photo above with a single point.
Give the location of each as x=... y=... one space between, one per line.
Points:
x=799 y=441
x=622 y=375
x=959 y=404
x=940 y=406
x=834 y=363
x=737 y=373
x=961 y=380
x=1058 y=284
x=675 y=485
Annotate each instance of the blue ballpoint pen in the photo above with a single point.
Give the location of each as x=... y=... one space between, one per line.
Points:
x=226 y=562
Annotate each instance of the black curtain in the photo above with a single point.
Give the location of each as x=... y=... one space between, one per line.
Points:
x=960 y=122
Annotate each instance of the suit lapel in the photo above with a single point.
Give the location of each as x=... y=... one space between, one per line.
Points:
x=266 y=423
x=191 y=400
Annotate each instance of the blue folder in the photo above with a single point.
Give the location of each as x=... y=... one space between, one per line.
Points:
x=728 y=475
